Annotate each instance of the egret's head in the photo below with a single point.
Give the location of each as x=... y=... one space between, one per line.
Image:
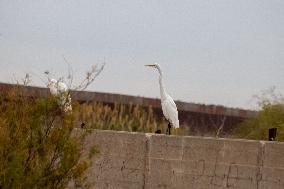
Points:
x=155 y=65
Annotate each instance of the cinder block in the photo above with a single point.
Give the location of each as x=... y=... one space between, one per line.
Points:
x=273 y=154
x=165 y=147
x=116 y=185
x=221 y=150
x=242 y=176
x=242 y=152
x=120 y=162
x=197 y=149
x=164 y=172
x=272 y=178
x=117 y=143
x=112 y=168
x=198 y=168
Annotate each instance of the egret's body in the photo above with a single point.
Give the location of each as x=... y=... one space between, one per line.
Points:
x=168 y=105
x=60 y=90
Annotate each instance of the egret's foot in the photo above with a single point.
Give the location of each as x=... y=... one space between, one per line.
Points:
x=158 y=131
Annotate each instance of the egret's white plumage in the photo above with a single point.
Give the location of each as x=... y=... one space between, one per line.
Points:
x=168 y=105
x=60 y=90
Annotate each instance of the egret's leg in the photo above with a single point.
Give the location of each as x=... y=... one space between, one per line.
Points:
x=169 y=128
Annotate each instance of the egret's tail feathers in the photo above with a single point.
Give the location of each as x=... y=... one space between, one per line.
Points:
x=176 y=124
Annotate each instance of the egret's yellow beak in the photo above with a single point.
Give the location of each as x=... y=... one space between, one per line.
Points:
x=150 y=65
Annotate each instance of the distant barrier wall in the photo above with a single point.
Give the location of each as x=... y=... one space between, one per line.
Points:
x=147 y=161
x=197 y=119
x=87 y=96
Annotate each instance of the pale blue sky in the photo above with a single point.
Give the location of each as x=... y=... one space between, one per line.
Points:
x=213 y=52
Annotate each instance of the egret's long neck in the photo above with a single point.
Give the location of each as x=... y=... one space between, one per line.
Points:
x=162 y=86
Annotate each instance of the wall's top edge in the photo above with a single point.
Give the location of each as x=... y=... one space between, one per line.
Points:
x=186 y=137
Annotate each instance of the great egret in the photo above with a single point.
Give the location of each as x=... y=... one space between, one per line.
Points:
x=60 y=90
x=168 y=105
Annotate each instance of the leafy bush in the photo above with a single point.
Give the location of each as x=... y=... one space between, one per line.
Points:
x=271 y=115
x=38 y=147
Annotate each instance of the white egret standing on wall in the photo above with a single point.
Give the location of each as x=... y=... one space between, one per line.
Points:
x=168 y=105
x=60 y=90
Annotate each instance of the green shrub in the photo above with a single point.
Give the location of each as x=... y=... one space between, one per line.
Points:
x=271 y=115
x=37 y=146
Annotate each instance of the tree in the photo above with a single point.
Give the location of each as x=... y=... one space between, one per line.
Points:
x=39 y=147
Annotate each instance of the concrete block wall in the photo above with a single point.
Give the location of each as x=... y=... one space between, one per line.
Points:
x=148 y=161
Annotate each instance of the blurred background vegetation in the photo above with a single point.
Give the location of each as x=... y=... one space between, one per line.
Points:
x=132 y=118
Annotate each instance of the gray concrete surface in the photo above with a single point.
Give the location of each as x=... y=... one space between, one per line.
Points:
x=148 y=161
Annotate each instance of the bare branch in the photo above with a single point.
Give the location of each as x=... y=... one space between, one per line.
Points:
x=70 y=75
x=268 y=97
x=90 y=77
x=221 y=127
